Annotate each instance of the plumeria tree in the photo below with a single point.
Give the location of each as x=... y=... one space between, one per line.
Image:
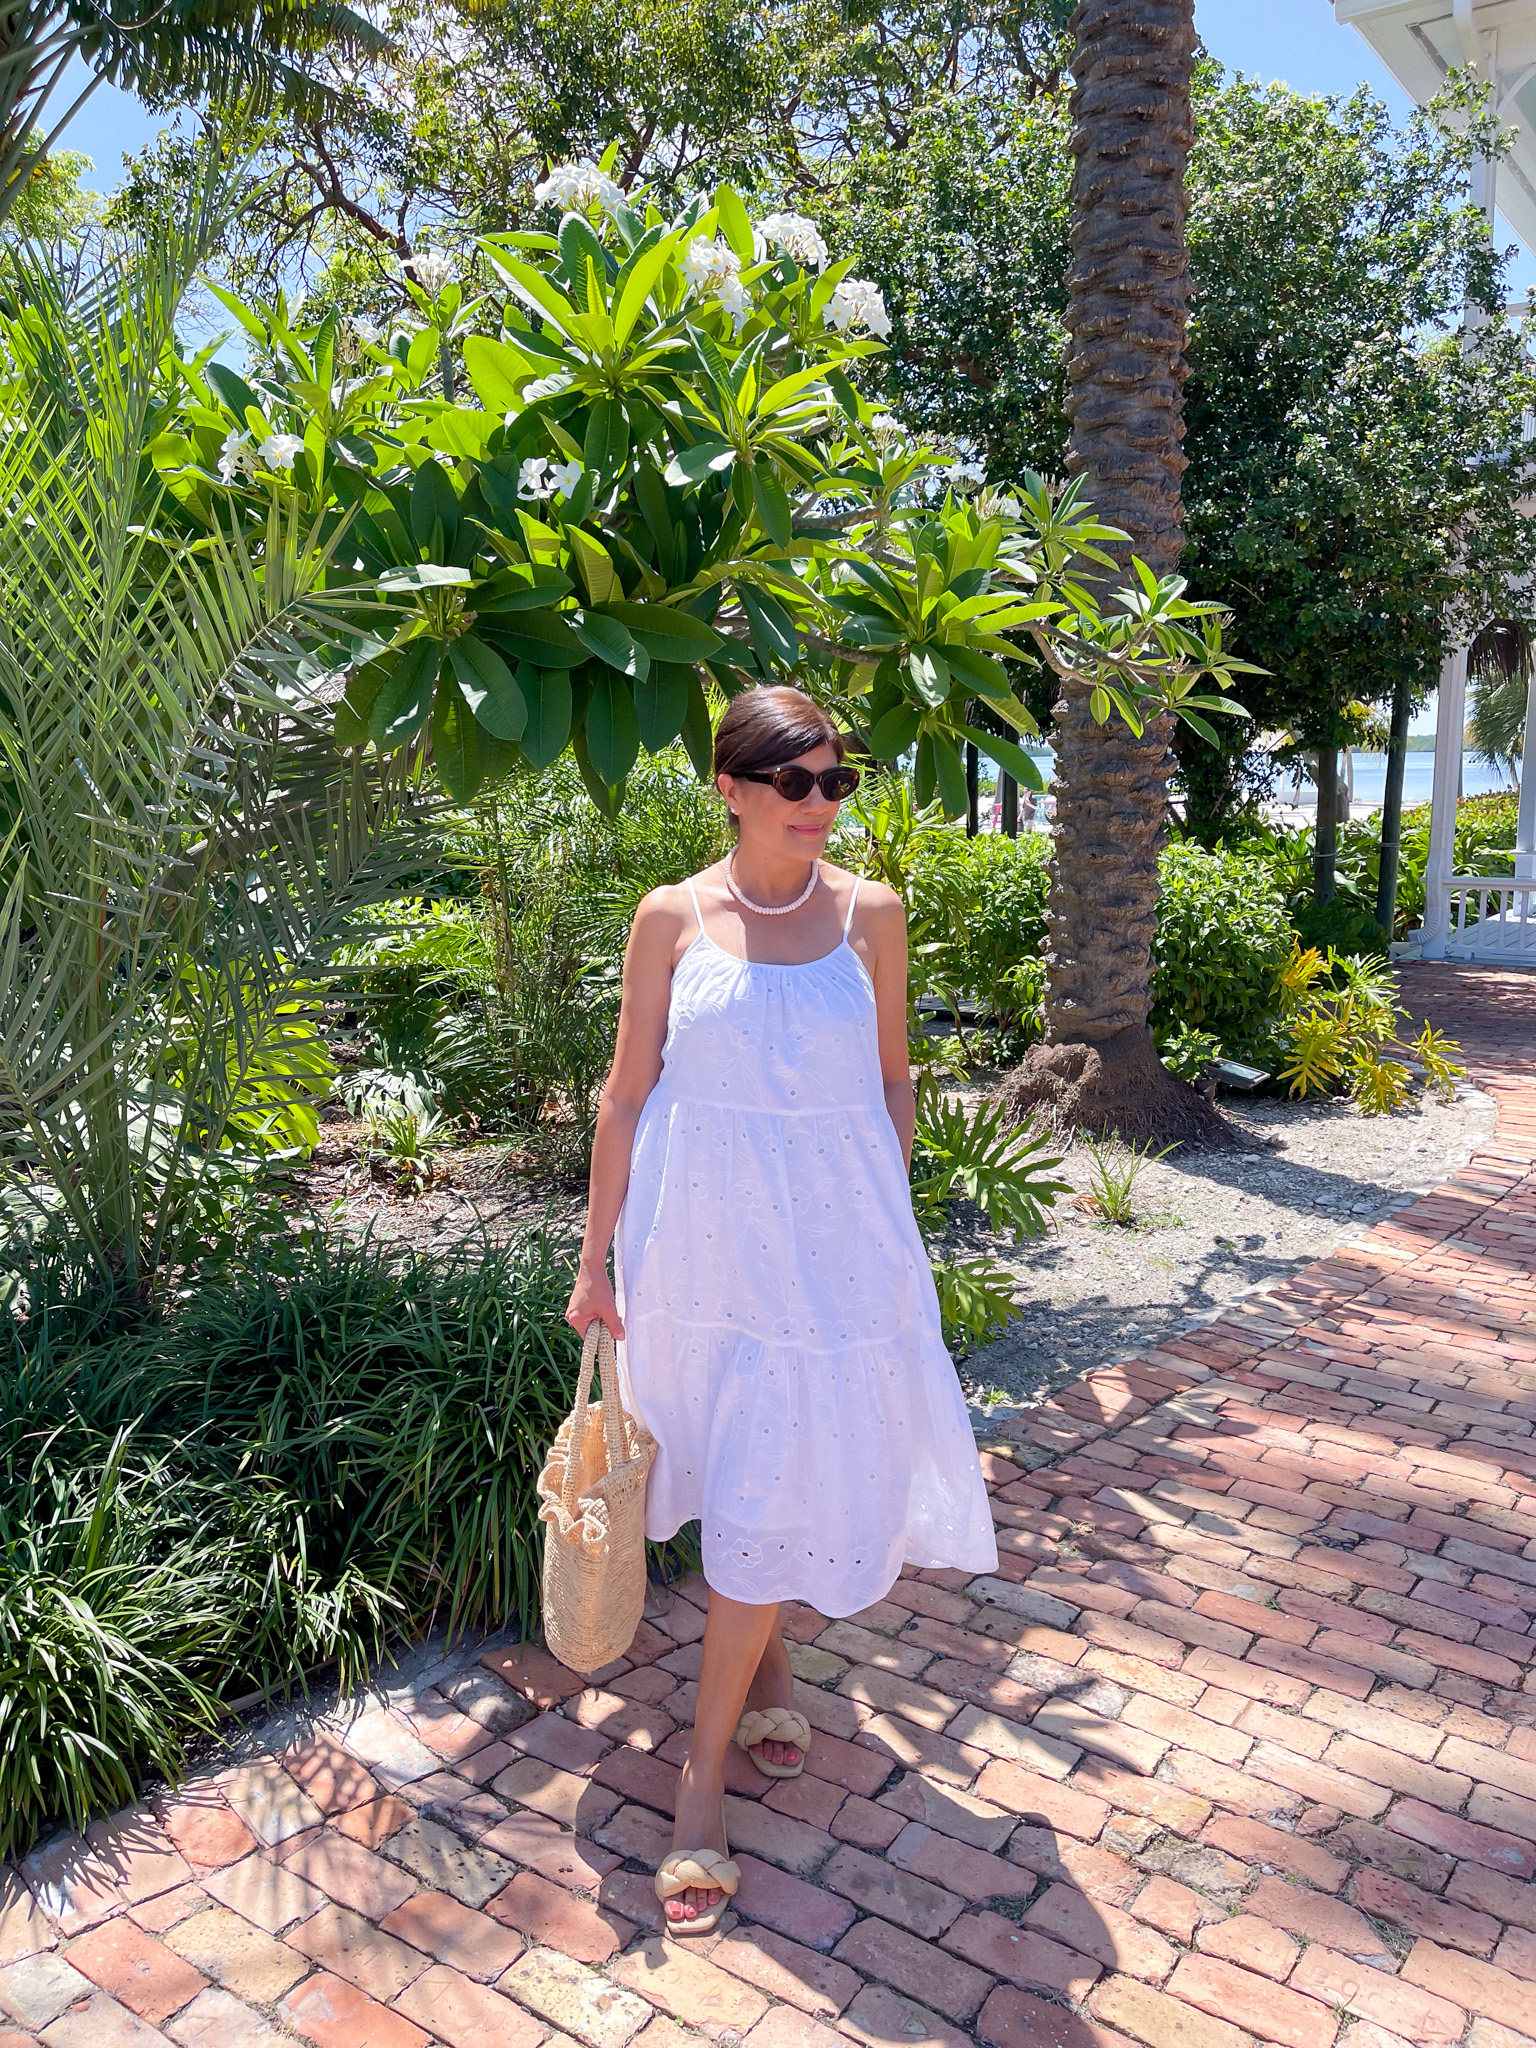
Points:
x=627 y=467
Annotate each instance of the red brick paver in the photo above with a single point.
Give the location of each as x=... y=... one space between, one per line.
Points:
x=1237 y=1747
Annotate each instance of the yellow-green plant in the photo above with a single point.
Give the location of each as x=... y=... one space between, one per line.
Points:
x=1341 y=1017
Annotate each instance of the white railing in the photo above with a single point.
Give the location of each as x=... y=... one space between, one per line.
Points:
x=1492 y=917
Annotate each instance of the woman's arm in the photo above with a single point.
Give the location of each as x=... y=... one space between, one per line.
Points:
x=636 y=1069
x=882 y=932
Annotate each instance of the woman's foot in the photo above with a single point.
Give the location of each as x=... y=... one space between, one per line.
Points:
x=773 y=1685
x=700 y=1825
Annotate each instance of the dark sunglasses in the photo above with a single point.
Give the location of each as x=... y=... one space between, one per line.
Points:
x=795 y=784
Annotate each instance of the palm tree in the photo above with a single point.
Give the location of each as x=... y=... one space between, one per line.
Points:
x=1126 y=316
x=182 y=849
x=166 y=51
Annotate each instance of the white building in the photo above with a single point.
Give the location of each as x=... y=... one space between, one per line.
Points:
x=1471 y=917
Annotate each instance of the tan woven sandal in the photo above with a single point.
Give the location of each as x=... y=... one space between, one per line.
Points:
x=697 y=1870
x=775 y=1724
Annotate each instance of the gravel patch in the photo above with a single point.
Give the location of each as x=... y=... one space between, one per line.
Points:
x=1211 y=1225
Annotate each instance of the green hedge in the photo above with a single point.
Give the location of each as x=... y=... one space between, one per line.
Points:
x=1223 y=932
x=331 y=1448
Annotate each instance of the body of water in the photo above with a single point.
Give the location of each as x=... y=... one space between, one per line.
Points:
x=1478 y=779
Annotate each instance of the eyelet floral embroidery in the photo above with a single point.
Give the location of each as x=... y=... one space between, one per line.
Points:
x=784 y=1344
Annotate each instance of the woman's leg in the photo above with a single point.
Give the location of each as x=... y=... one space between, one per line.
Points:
x=773 y=1685
x=735 y=1636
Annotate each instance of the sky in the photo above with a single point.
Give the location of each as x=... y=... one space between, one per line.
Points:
x=1295 y=40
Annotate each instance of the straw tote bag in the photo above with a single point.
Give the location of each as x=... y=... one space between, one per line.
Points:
x=592 y=1499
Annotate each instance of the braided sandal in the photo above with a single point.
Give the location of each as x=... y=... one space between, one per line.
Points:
x=775 y=1724
x=696 y=1870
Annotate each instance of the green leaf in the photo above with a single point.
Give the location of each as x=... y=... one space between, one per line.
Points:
x=544 y=638
x=978 y=670
x=578 y=246
x=644 y=269
x=606 y=799
x=232 y=392
x=661 y=703
x=613 y=727
x=606 y=447
x=547 y=693
x=930 y=674
x=489 y=687
x=772 y=630
x=406 y=694
x=519 y=590
x=456 y=742
x=1007 y=756
x=432 y=498
x=735 y=223
x=667 y=633
x=361 y=694
x=497 y=372
x=698 y=734
x=693 y=465
x=923 y=776
x=950 y=771
x=594 y=565
x=895 y=732
x=772 y=504
x=613 y=644
x=422 y=576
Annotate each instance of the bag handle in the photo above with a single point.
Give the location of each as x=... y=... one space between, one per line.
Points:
x=597 y=1344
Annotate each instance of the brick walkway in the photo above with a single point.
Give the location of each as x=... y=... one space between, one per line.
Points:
x=1238 y=1746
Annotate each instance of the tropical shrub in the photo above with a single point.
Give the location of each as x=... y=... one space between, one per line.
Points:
x=335 y=1445
x=659 y=478
x=1223 y=933
x=1340 y=1018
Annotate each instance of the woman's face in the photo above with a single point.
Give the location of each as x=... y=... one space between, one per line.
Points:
x=770 y=824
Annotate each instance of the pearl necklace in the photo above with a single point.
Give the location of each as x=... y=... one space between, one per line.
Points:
x=769 y=909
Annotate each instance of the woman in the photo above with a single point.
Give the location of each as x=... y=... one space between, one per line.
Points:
x=781 y=1333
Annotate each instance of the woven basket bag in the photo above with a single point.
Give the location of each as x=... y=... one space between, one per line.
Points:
x=592 y=1499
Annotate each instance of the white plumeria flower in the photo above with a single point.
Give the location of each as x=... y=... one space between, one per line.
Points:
x=237 y=456
x=715 y=267
x=578 y=187
x=995 y=505
x=797 y=237
x=732 y=294
x=857 y=303
x=709 y=263
x=366 y=332
x=530 y=478
x=278 y=450
x=564 y=477
x=431 y=269
x=967 y=476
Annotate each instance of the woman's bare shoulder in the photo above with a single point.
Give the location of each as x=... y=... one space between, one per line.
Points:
x=876 y=899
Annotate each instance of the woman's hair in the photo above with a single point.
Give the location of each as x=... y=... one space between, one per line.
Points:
x=768 y=728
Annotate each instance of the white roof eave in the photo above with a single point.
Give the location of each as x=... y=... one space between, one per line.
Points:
x=1419 y=41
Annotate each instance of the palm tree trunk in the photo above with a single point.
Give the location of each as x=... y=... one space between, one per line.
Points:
x=1126 y=317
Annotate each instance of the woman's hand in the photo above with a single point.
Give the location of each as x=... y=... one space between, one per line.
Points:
x=592 y=1300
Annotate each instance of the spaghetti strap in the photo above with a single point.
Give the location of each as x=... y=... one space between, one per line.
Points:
x=852 y=900
x=693 y=897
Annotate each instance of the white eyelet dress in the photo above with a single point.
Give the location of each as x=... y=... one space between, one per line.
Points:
x=783 y=1342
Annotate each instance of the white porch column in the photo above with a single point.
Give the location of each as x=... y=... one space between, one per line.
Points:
x=1525 y=829
x=1450 y=721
